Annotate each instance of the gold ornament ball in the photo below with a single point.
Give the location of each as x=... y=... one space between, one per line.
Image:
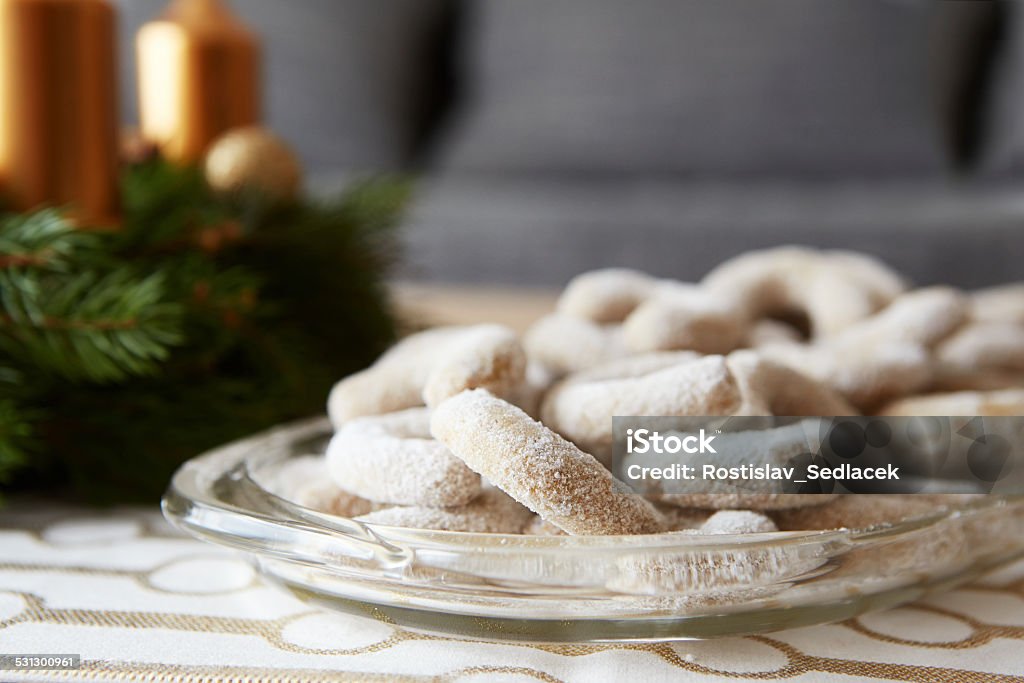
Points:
x=253 y=159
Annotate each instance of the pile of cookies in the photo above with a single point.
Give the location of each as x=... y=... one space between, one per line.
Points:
x=476 y=429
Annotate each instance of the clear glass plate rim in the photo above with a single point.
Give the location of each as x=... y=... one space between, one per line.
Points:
x=191 y=487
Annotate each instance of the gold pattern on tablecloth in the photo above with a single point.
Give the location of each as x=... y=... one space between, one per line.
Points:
x=272 y=631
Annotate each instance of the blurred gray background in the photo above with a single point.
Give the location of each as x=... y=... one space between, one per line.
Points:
x=554 y=136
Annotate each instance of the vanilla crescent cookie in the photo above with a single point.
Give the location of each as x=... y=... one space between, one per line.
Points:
x=582 y=411
x=437 y=362
x=1008 y=402
x=607 y=295
x=865 y=376
x=771 y=388
x=632 y=366
x=984 y=346
x=936 y=547
x=676 y=519
x=737 y=522
x=882 y=357
x=482 y=357
x=853 y=511
x=777 y=447
x=768 y=332
x=833 y=289
x=950 y=378
x=1003 y=304
x=884 y=283
x=306 y=480
x=538 y=526
x=658 y=315
x=531 y=392
x=565 y=344
x=394 y=382
x=540 y=469
x=684 y=317
x=714 y=574
x=492 y=512
x=393 y=459
x=924 y=317
x=980 y=356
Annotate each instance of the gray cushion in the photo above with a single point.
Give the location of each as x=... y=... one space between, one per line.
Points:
x=1003 y=141
x=538 y=231
x=716 y=86
x=347 y=80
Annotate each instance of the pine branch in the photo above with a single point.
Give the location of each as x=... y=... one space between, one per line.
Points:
x=164 y=207
x=44 y=239
x=204 y=318
x=87 y=326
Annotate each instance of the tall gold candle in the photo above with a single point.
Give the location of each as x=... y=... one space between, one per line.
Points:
x=58 y=106
x=198 y=77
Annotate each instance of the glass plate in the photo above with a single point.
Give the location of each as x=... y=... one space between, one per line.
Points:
x=582 y=588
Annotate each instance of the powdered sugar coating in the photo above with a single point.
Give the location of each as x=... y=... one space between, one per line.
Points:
x=395 y=382
x=607 y=295
x=530 y=394
x=540 y=469
x=582 y=411
x=492 y=512
x=438 y=362
x=565 y=344
x=633 y=366
x=738 y=522
x=482 y=357
x=984 y=346
x=853 y=512
x=768 y=332
x=538 y=526
x=393 y=459
x=306 y=481
x=885 y=356
x=950 y=378
x=770 y=388
x=1006 y=402
x=1003 y=304
x=675 y=519
x=923 y=317
x=871 y=343
x=883 y=283
x=684 y=318
x=776 y=447
x=939 y=547
x=681 y=518
x=834 y=289
x=866 y=376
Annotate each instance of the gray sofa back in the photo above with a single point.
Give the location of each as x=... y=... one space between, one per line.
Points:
x=667 y=86
x=722 y=88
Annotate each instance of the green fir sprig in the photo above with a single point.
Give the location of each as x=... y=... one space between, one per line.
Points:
x=201 y=319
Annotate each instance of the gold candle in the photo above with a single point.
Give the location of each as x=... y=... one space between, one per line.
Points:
x=198 y=77
x=58 y=106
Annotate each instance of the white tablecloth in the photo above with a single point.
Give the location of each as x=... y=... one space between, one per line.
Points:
x=140 y=603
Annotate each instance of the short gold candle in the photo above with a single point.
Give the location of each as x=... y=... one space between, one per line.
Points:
x=58 y=107
x=198 y=77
